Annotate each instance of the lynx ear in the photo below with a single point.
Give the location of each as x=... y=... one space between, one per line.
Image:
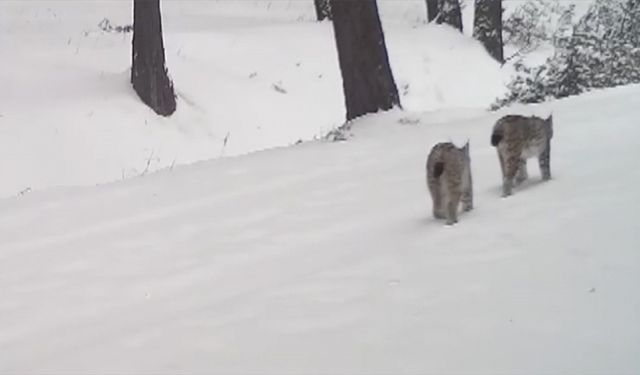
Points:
x=550 y=118
x=466 y=147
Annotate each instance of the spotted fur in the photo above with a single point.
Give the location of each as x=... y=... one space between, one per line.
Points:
x=449 y=180
x=518 y=138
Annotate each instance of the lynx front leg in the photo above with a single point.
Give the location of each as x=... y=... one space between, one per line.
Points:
x=436 y=197
x=522 y=174
x=544 y=159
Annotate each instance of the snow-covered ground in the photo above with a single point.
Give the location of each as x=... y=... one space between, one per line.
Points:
x=249 y=75
x=316 y=258
x=323 y=258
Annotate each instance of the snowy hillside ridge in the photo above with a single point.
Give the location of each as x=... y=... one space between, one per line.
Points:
x=323 y=258
x=247 y=78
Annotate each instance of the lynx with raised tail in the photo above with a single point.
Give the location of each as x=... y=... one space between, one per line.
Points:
x=518 y=138
x=449 y=180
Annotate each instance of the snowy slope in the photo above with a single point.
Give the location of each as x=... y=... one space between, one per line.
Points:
x=249 y=75
x=322 y=258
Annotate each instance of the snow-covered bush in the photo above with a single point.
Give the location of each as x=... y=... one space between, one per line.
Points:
x=536 y=22
x=603 y=50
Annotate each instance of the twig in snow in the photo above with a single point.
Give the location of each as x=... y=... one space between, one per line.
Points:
x=24 y=191
x=278 y=87
x=224 y=143
x=146 y=169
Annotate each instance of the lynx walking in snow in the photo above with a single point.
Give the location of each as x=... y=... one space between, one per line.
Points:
x=449 y=180
x=517 y=139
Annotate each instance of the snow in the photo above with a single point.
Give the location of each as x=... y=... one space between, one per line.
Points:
x=323 y=258
x=320 y=257
x=249 y=76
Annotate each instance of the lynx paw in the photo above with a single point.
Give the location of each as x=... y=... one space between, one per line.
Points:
x=451 y=221
x=520 y=180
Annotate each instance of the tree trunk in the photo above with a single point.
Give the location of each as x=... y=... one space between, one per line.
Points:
x=487 y=26
x=323 y=9
x=432 y=9
x=367 y=79
x=450 y=13
x=148 y=71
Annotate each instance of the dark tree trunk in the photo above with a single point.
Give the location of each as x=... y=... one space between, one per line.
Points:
x=367 y=79
x=487 y=26
x=148 y=71
x=450 y=13
x=432 y=9
x=323 y=9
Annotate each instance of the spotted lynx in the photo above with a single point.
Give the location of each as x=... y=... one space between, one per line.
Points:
x=517 y=139
x=449 y=180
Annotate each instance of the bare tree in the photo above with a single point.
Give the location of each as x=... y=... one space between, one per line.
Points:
x=487 y=26
x=323 y=9
x=432 y=10
x=450 y=13
x=148 y=72
x=367 y=79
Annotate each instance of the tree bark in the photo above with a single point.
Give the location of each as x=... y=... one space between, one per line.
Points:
x=323 y=9
x=487 y=27
x=148 y=72
x=450 y=13
x=367 y=79
x=432 y=10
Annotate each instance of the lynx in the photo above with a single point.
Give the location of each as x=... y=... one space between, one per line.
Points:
x=518 y=138
x=449 y=180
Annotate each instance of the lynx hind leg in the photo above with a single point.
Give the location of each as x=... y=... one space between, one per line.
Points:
x=467 y=195
x=452 y=207
x=522 y=174
x=544 y=159
x=501 y=160
x=503 y=169
x=436 y=197
x=510 y=169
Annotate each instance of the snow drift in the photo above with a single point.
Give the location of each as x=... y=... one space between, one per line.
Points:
x=323 y=258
